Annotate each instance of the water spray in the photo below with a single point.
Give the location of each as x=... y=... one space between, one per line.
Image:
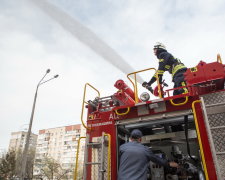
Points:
x=86 y=36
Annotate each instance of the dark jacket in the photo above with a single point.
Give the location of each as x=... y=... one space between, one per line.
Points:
x=134 y=161
x=167 y=63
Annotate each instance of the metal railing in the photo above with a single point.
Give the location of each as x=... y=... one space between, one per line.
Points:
x=85 y=102
x=135 y=82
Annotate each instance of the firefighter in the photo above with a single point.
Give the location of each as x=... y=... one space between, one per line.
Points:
x=135 y=157
x=168 y=63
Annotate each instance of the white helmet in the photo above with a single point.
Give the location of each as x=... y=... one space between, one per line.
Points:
x=159 y=45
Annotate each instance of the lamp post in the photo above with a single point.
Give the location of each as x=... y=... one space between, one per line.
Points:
x=24 y=157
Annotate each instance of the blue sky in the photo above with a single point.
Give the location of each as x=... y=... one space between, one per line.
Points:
x=32 y=42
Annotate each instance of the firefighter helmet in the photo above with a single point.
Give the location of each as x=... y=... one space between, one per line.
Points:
x=159 y=45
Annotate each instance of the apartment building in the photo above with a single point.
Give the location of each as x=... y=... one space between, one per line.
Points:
x=18 y=141
x=60 y=144
x=2 y=152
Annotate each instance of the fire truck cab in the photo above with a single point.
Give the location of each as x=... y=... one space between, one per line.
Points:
x=187 y=128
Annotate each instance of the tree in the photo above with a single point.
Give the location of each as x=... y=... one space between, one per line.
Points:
x=7 y=165
x=10 y=164
x=51 y=169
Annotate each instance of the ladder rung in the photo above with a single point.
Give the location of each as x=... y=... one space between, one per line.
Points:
x=92 y=163
x=94 y=145
x=220 y=153
x=217 y=104
x=218 y=127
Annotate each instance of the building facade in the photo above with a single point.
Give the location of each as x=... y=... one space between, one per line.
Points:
x=17 y=144
x=2 y=152
x=60 y=145
x=18 y=141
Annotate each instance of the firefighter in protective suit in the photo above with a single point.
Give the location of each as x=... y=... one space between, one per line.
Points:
x=168 y=63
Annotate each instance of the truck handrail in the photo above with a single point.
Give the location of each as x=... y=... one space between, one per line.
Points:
x=84 y=102
x=199 y=138
x=179 y=104
x=135 y=82
x=219 y=60
x=76 y=165
x=121 y=114
x=109 y=153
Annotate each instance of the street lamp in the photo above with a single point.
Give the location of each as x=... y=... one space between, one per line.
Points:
x=24 y=157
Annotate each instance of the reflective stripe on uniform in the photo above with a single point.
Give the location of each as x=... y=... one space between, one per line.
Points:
x=161 y=60
x=167 y=66
x=185 y=89
x=160 y=72
x=177 y=67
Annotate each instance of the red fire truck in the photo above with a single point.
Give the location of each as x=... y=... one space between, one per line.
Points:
x=187 y=128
